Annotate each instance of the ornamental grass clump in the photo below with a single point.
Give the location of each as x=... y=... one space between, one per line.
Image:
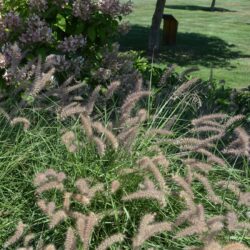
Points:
x=126 y=179
x=206 y=228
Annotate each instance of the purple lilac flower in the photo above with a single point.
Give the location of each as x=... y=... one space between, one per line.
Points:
x=110 y=7
x=83 y=9
x=3 y=33
x=12 y=20
x=37 y=31
x=72 y=43
x=61 y=64
x=77 y=65
x=12 y=54
x=114 y=7
x=126 y=8
x=40 y=5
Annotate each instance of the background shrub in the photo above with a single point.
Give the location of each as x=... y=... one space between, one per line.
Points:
x=68 y=35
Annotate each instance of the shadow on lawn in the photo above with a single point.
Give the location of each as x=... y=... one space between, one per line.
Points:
x=195 y=7
x=191 y=48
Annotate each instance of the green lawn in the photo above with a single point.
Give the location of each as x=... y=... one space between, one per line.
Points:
x=219 y=39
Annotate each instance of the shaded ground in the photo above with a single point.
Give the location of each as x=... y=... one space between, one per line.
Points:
x=195 y=7
x=191 y=49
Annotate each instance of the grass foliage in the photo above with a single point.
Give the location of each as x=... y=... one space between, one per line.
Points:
x=26 y=154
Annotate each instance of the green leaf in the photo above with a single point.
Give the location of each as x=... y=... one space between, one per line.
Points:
x=91 y=33
x=42 y=51
x=79 y=28
x=102 y=34
x=61 y=22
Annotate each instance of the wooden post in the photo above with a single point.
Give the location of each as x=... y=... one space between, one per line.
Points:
x=170 y=28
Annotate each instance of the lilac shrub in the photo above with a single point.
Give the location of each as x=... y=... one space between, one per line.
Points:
x=37 y=30
x=68 y=36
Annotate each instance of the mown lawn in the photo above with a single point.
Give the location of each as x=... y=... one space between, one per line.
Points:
x=218 y=40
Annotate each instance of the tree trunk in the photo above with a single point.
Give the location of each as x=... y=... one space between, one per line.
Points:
x=212 y=5
x=154 y=36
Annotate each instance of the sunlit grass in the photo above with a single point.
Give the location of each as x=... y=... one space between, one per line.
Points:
x=218 y=40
